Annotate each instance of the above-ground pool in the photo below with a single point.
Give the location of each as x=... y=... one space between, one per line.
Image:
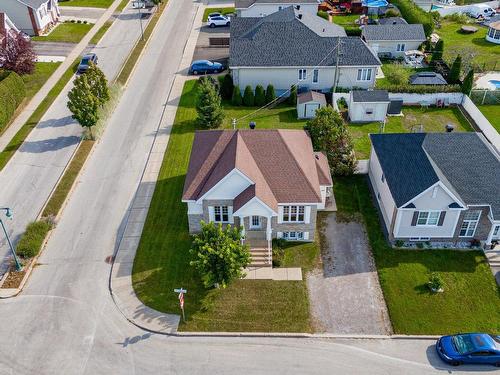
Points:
x=495 y=83
x=375 y=3
x=435 y=7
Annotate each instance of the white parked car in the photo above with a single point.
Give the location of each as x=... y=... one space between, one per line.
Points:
x=480 y=10
x=138 y=4
x=218 y=20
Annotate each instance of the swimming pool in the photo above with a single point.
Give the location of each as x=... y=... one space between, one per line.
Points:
x=495 y=83
x=375 y=3
x=435 y=7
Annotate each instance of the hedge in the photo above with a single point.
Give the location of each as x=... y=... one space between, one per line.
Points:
x=31 y=241
x=322 y=14
x=414 y=14
x=353 y=31
x=12 y=93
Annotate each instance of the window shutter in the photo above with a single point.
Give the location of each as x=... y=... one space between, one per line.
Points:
x=210 y=213
x=414 y=219
x=306 y=235
x=230 y=214
x=279 y=234
x=280 y=214
x=441 y=218
x=307 y=214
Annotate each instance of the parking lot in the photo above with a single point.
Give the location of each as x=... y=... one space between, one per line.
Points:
x=213 y=44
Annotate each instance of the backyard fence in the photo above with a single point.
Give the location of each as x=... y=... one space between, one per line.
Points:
x=444 y=98
x=482 y=122
x=481 y=97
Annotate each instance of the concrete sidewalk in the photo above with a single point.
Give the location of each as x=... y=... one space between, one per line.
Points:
x=121 y=273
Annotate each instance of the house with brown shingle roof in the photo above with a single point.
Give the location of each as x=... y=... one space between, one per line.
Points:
x=269 y=182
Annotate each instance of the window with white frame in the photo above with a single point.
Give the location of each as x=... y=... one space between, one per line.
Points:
x=496 y=231
x=315 y=75
x=469 y=224
x=302 y=74
x=428 y=218
x=364 y=74
x=221 y=214
x=293 y=235
x=293 y=214
x=400 y=47
x=255 y=222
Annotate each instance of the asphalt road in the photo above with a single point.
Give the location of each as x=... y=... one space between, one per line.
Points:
x=65 y=321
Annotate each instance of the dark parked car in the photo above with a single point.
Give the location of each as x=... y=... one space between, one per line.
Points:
x=469 y=348
x=205 y=66
x=85 y=63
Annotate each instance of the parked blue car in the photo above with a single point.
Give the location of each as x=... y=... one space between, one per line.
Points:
x=85 y=62
x=205 y=66
x=469 y=348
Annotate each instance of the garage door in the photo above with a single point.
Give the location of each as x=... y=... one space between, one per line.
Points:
x=310 y=110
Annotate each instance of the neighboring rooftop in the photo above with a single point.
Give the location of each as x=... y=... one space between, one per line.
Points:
x=427 y=78
x=370 y=96
x=35 y=4
x=311 y=96
x=495 y=25
x=239 y=4
x=304 y=40
x=392 y=21
x=413 y=32
x=464 y=162
x=281 y=163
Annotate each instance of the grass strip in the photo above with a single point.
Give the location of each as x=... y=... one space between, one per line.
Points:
x=224 y=11
x=100 y=33
x=136 y=52
x=66 y=182
x=37 y=115
x=122 y=5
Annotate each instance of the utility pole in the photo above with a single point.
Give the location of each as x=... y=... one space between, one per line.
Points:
x=140 y=20
x=8 y=213
x=336 y=77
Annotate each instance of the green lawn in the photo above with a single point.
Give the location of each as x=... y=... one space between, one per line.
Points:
x=346 y=21
x=432 y=119
x=162 y=260
x=492 y=113
x=471 y=299
x=483 y=53
x=86 y=3
x=226 y=10
x=66 y=32
x=402 y=75
x=34 y=81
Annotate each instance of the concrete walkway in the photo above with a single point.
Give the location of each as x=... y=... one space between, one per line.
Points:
x=121 y=274
x=493 y=257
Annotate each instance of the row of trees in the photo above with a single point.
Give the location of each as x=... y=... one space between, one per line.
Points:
x=250 y=98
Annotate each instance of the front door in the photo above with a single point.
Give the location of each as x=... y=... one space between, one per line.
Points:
x=255 y=222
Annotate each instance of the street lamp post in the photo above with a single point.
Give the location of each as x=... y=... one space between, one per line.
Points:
x=140 y=20
x=8 y=213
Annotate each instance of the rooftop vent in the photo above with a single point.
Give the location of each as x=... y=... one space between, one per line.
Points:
x=299 y=16
x=252 y=124
x=317 y=157
x=449 y=128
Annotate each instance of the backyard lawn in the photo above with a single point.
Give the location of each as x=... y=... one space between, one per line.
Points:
x=66 y=32
x=492 y=113
x=471 y=299
x=348 y=22
x=86 y=3
x=162 y=261
x=483 y=53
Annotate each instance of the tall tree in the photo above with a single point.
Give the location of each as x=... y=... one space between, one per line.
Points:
x=248 y=97
x=468 y=82
x=437 y=53
x=236 y=98
x=218 y=254
x=18 y=55
x=98 y=83
x=260 y=96
x=208 y=104
x=270 y=94
x=83 y=103
x=329 y=134
x=456 y=67
x=227 y=87
x=292 y=99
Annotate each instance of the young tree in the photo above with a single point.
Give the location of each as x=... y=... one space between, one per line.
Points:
x=260 y=96
x=270 y=94
x=83 y=103
x=219 y=256
x=208 y=104
x=292 y=99
x=18 y=55
x=437 y=53
x=454 y=76
x=98 y=83
x=236 y=99
x=329 y=134
x=248 y=97
x=227 y=87
x=468 y=82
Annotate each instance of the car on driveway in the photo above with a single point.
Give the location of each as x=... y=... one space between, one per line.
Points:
x=205 y=67
x=469 y=348
x=218 y=20
x=85 y=62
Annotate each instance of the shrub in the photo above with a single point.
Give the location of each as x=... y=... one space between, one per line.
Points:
x=396 y=74
x=260 y=96
x=12 y=93
x=468 y=82
x=226 y=87
x=458 y=18
x=322 y=14
x=270 y=94
x=85 y=22
x=437 y=53
x=31 y=241
x=421 y=89
x=292 y=99
x=412 y=13
x=248 y=97
x=435 y=282
x=79 y=21
x=454 y=76
x=399 y=243
x=420 y=245
x=353 y=31
x=392 y=13
x=208 y=104
x=18 y=55
x=236 y=99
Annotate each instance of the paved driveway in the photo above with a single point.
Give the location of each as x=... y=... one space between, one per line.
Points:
x=203 y=49
x=346 y=295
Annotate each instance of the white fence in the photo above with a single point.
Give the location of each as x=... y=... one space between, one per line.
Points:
x=446 y=10
x=428 y=99
x=482 y=122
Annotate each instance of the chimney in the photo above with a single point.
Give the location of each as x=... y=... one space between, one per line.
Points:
x=252 y=124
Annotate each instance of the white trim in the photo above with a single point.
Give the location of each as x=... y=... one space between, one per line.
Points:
x=307 y=214
x=475 y=228
x=236 y=213
x=235 y=170
x=427 y=218
x=455 y=198
x=305 y=67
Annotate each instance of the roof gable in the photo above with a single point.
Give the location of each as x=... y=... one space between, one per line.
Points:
x=397 y=32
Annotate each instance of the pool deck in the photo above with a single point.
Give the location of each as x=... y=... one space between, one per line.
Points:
x=484 y=81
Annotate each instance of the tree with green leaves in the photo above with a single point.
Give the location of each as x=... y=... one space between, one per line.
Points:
x=83 y=104
x=208 y=104
x=248 y=97
x=236 y=98
x=454 y=76
x=468 y=82
x=292 y=99
x=218 y=254
x=260 y=96
x=329 y=134
x=98 y=83
x=437 y=53
x=270 y=94
x=227 y=87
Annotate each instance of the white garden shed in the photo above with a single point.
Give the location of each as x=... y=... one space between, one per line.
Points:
x=368 y=106
x=308 y=102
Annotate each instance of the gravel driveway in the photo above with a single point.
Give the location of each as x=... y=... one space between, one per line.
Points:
x=346 y=297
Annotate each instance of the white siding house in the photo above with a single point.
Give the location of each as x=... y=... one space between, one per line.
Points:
x=34 y=17
x=393 y=40
x=262 y=8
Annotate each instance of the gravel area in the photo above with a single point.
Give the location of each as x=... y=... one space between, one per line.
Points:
x=345 y=295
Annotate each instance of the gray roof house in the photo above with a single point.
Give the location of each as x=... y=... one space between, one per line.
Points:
x=441 y=187
x=368 y=106
x=392 y=21
x=34 y=17
x=304 y=54
x=392 y=40
x=427 y=78
x=262 y=8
